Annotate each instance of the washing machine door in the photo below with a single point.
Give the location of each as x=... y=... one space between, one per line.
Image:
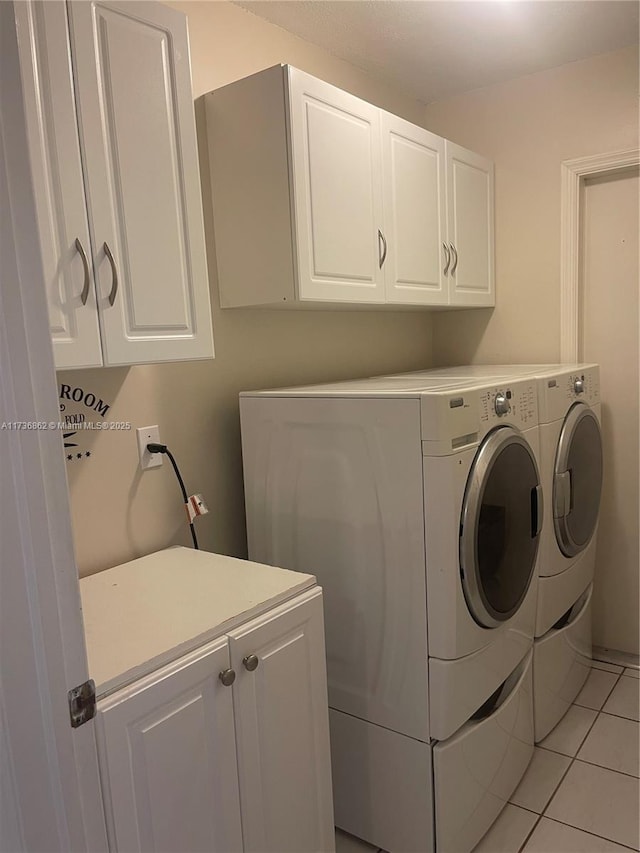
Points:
x=500 y=527
x=577 y=480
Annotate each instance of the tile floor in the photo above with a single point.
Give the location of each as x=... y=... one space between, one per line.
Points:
x=581 y=792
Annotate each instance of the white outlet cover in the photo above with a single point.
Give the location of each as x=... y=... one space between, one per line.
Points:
x=144 y=436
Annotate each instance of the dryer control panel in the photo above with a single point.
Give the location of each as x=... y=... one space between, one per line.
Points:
x=557 y=393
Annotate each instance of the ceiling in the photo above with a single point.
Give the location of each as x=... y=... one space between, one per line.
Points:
x=433 y=49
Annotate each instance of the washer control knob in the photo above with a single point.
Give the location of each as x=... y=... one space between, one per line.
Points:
x=501 y=404
x=578 y=385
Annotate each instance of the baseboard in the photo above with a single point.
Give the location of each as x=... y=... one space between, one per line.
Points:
x=613 y=656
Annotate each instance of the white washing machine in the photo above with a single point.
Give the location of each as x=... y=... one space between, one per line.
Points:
x=571 y=469
x=417 y=505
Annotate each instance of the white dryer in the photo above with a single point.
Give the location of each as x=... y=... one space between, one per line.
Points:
x=417 y=505
x=571 y=468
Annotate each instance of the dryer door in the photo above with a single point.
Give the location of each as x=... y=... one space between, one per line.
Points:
x=500 y=527
x=577 y=480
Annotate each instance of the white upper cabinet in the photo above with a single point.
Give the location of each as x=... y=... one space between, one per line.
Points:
x=337 y=192
x=470 y=227
x=119 y=93
x=58 y=185
x=415 y=213
x=321 y=198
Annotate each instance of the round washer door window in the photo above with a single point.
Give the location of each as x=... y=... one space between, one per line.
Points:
x=577 y=481
x=500 y=527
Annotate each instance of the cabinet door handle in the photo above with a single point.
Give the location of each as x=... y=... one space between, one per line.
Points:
x=227 y=677
x=251 y=662
x=114 y=274
x=85 y=263
x=447 y=256
x=455 y=259
x=382 y=242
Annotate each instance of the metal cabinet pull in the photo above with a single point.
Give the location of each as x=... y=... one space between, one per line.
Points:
x=454 y=252
x=227 y=677
x=251 y=662
x=114 y=274
x=85 y=263
x=447 y=255
x=381 y=240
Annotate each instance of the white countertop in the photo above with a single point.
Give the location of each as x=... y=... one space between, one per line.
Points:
x=148 y=612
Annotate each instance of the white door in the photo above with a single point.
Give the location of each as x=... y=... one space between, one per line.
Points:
x=56 y=167
x=609 y=336
x=282 y=730
x=337 y=190
x=168 y=762
x=135 y=106
x=470 y=226
x=49 y=786
x=414 y=214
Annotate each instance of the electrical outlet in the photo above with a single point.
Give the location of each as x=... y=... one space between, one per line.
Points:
x=145 y=435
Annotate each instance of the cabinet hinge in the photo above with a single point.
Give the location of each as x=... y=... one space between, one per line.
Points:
x=82 y=703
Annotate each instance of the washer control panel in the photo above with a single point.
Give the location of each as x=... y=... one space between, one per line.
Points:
x=515 y=403
x=460 y=417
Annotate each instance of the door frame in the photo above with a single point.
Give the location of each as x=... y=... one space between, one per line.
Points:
x=50 y=781
x=573 y=175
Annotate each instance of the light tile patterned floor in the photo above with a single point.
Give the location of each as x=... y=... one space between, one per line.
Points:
x=581 y=793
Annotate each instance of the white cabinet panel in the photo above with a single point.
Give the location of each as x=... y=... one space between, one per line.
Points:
x=109 y=116
x=470 y=220
x=341 y=202
x=415 y=213
x=58 y=183
x=324 y=467
x=137 y=128
x=282 y=730
x=190 y=761
x=337 y=191
x=168 y=763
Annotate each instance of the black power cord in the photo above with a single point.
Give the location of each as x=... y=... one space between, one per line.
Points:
x=162 y=448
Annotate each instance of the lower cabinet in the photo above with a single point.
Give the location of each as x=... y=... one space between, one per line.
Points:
x=227 y=748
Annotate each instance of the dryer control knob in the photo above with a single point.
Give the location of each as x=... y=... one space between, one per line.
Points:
x=578 y=386
x=501 y=404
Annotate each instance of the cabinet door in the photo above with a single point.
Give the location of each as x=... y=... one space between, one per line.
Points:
x=167 y=760
x=63 y=230
x=470 y=221
x=337 y=192
x=135 y=106
x=415 y=214
x=282 y=730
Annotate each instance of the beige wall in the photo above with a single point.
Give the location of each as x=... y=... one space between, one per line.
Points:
x=528 y=126
x=119 y=513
